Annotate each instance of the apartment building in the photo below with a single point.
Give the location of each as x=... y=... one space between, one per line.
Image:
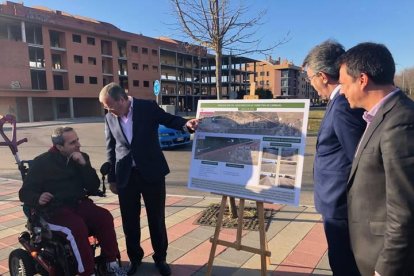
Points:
x=187 y=76
x=53 y=64
x=283 y=78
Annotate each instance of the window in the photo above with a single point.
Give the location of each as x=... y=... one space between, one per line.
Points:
x=123 y=82
x=36 y=57
x=79 y=79
x=122 y=49
x=58 y=82
x=134 y=66
x=123 y=68
x=38 y=79
x=155 y=68
x=146 y=83
x=135 y=83
x=106 y=80
x=91 y=60
x=154 y=52
x=93 y=80
x=262 y=73
x=145 y=51
x=56 y=62
x=34 y=35
x=90 y=40
x=76 y=38
x=54 y=39
x=106 y=47
x=11 y=32
x=145 y=67
x=134 y=49
x=78 y=59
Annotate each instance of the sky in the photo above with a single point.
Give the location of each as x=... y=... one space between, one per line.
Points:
x=306 y=23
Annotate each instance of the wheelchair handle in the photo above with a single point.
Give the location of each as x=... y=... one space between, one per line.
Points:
x=11 y=143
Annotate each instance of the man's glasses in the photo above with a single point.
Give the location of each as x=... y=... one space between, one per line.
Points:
x=108 y=108
x=309 y=79
x=113 y=107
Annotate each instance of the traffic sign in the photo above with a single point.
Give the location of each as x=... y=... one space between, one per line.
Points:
x=157 y=87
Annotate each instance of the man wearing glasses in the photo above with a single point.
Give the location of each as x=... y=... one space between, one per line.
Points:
x=338 y=137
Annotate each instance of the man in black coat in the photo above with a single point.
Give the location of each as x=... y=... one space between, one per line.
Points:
x=139 y=168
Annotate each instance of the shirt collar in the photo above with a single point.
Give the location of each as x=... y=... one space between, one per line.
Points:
x=368 y=116
x=334 y=92
x=129 y=115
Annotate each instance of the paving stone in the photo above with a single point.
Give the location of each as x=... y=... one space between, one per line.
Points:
x=185 y=243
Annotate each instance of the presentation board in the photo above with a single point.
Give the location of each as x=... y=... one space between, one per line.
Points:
x=252 y=149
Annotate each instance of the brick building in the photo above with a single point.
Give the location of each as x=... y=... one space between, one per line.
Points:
x=283 y=78
x=53 y=64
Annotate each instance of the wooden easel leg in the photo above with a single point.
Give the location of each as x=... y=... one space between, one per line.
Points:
x=216 y=235
x=240 y=224
x=265 y=260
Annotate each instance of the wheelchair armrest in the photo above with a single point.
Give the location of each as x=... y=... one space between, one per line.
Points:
x=36 y=224
x=27 y=210
x=99 y=193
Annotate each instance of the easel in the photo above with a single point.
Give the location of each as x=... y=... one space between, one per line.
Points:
x=263 y=251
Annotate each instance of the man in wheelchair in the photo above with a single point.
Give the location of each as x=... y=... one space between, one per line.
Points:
x=56 y=186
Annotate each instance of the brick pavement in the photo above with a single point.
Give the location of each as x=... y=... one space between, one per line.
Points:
x=295 y=238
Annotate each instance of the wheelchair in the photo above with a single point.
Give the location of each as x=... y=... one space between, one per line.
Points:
x=45 y=252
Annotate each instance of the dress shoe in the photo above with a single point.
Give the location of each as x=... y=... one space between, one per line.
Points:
x=163 y=268
x=133 y=266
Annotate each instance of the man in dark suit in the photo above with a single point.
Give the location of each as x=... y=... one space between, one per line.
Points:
x=338 y=137
x=381 y=183
x=139 y=168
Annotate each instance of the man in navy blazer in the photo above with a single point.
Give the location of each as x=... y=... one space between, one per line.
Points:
x=381 y=183
x=338 y=137
x=139 y=168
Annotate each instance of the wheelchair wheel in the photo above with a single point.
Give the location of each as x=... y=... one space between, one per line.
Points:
x=21 y=263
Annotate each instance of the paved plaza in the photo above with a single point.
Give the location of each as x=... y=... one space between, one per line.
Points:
x=295 y=237
x=295 y=233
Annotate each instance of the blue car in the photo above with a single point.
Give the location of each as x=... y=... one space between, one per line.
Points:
x=170 y=138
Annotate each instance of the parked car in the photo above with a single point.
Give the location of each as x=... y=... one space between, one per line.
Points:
x=170 y=138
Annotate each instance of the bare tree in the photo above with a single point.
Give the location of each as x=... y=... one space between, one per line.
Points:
x=405 y=81
x=217 y=25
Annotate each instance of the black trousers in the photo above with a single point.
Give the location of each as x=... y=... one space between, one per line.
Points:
x=341 y=258
x=130 y=205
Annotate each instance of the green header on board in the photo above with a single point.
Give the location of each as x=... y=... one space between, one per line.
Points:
x=234 y=165
x=209 y=163
x=282 y=140
x=251 y=106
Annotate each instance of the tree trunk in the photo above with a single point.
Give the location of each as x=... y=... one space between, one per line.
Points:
x=218 y=74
